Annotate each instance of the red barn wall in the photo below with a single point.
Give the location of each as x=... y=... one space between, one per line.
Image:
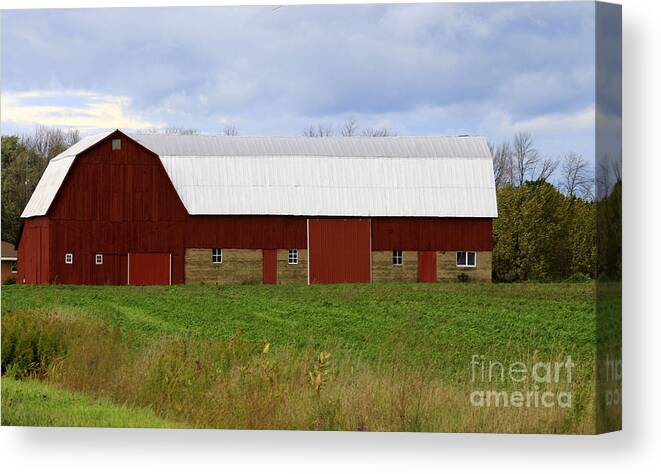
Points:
x=444 y=234
x=34 y=251
x=246 y=232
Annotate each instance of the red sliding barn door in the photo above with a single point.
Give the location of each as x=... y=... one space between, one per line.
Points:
x=339 y=250
x=149 y=268
x=269 y=266
x=427 y=267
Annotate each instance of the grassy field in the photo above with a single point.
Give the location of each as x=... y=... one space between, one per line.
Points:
x=32 y=403
x=248 y=356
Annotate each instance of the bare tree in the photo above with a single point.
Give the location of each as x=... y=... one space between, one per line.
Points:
x=576 y=176
x=230 y=130
x=320 y=130
x=544 y=169
x=48 y=142
x=503 y=164
x=525 y=156
x=378 y=132
x=176 y=130
x=349 y=128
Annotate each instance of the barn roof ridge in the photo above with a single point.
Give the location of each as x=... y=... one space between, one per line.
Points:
x=302 y=137
x=441 y=147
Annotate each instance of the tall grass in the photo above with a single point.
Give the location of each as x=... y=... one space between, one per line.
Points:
x=236 y=383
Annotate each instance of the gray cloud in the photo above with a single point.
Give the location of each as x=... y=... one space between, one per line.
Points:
x=420 y=68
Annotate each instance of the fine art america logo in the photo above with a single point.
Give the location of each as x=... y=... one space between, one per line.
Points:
x=520 y=384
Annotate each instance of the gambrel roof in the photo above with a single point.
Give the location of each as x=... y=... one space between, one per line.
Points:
x=328 y=176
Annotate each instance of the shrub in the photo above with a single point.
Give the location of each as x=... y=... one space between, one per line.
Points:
x=579 y=277
x=10 y=281
x=462 y=277
x=28 y=345
x=35 y=344
x=507 y=277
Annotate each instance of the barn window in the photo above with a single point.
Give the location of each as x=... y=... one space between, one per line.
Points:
x=397 y=257
x=14 y=267
x=216 y=255
x=466 y=259
x=68 y=258
x=99 y=259
x=116 y=144
x=292 y=258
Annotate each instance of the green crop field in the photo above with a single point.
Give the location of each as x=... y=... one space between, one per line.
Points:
x=248 y=356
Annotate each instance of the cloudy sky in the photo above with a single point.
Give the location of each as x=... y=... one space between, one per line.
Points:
x=489 y=69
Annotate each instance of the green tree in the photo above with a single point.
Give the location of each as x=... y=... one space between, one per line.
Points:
x=609 y=238
x=542 y=234
x=582 y=237
x=24 y=160
x=13 y=159
x=506 y=229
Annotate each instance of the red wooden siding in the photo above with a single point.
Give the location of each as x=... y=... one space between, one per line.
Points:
x=444 y=233
x=427 y=266
x=149 y=269
x=246 y=232
x=269 y=266
x=339 y=251
x=34 y=251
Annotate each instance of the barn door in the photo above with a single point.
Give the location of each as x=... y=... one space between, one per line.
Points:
x=427 y=267
x=269 y=266
x=340 y=250
x=149 y=268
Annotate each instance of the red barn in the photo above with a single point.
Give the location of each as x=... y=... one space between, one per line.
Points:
x=141 y=209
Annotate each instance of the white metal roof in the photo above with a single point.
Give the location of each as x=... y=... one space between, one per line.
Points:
x=54 y=175
x=331 y=176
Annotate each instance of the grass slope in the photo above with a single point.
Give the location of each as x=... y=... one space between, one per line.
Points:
x=32 y=403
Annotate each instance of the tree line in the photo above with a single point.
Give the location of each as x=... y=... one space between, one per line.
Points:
x=549 y=225
x=349 y=128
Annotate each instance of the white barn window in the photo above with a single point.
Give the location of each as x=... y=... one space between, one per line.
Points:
x=216 y=255
x=116 y=144
x=99 y=259
x=68 y=258
x=292 y=258
x=397 y=257
x=466 y=259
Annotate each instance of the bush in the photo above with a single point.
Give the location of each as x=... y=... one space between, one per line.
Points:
x=10 y=281
x=32 y=343
x=462 y=277
x=579 y=277
x=542 y=235
x=507 y=277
